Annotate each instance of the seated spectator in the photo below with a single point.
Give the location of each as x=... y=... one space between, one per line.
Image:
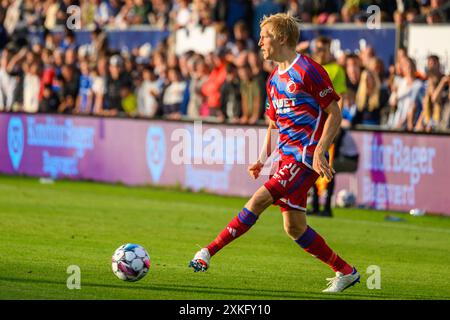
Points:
x=148 y=94
x=230 y=95
x=370 y=98
x=172 y=96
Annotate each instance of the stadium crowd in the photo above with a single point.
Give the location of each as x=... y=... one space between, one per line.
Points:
x=228 y=84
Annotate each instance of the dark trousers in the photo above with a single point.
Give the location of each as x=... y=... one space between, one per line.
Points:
x=315 y=202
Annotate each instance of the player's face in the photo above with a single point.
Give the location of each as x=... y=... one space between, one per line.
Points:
x=267 y=43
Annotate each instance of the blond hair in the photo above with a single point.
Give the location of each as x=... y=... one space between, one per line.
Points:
x=373 y=99
x=283 y=26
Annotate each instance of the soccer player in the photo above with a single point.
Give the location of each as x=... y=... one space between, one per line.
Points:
x=303 y=107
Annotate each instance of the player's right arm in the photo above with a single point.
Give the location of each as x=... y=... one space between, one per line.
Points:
x=267 y=149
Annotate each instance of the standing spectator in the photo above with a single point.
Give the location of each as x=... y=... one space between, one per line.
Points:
x=172 y=96
x=250 y=96
x=99 y=76
x=69 y=90
x=85 y=94
x=51 y=9
x=181 y=15
x=230 y=95
x=404 y=99
x=6 y=81
x=58 y=60
x=322 y=54
x=241 y=33
x=260 y=75
x=115 y=81
x=198 y=79
x=50 y=100
x=129 y=100
x=31 y=88
x=160 y=14
x=103 y=12
x=48 y=72
x=148 y=94
x=370 y=99
x=353 y=68
x=211 y=88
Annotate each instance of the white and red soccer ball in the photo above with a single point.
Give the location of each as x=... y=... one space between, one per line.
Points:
x=130 y=262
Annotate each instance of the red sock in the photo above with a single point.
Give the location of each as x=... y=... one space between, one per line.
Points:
x=314 y=244
x=237 y=227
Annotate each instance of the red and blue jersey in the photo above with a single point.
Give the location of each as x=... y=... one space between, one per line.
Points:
x=296 y=99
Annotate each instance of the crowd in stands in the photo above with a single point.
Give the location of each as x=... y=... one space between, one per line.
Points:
x=227 y=85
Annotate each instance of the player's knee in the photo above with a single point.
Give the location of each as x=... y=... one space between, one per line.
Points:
x=259 y=202
x=294 y=232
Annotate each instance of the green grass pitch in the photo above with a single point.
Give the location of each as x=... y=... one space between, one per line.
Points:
x=44 y=228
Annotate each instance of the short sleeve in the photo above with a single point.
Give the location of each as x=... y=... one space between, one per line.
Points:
x=318 y=84
x=270 y=110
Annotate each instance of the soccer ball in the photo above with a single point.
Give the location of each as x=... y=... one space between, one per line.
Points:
x=130 y=262
x=345 y=199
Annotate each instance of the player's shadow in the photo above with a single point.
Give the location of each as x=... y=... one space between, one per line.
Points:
x=235 y=293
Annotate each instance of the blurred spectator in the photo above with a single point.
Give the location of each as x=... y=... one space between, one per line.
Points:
x=241 y=34
x=116 y=80
x=230 y=95
x=48 y=72
x=69 y=90
x=370 y=98
x=129 y=101
x=181 y=14
x=211 y=88
x=322 y=54
x=159 y=17
x=6 y=81
x=353 y=67
x=172 y=95
x=404 y=98
x=263 y=8
x=85 y=94
x=148 y=94
x=31 y=88
x=50 y=100
x=199 y=76
x=250 y=96
x=99 y=78
x=442 y=95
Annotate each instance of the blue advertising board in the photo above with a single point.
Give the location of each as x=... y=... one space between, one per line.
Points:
x=350 y=38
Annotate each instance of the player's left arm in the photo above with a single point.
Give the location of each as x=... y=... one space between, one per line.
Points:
x=321 y=88
x=330 y=129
